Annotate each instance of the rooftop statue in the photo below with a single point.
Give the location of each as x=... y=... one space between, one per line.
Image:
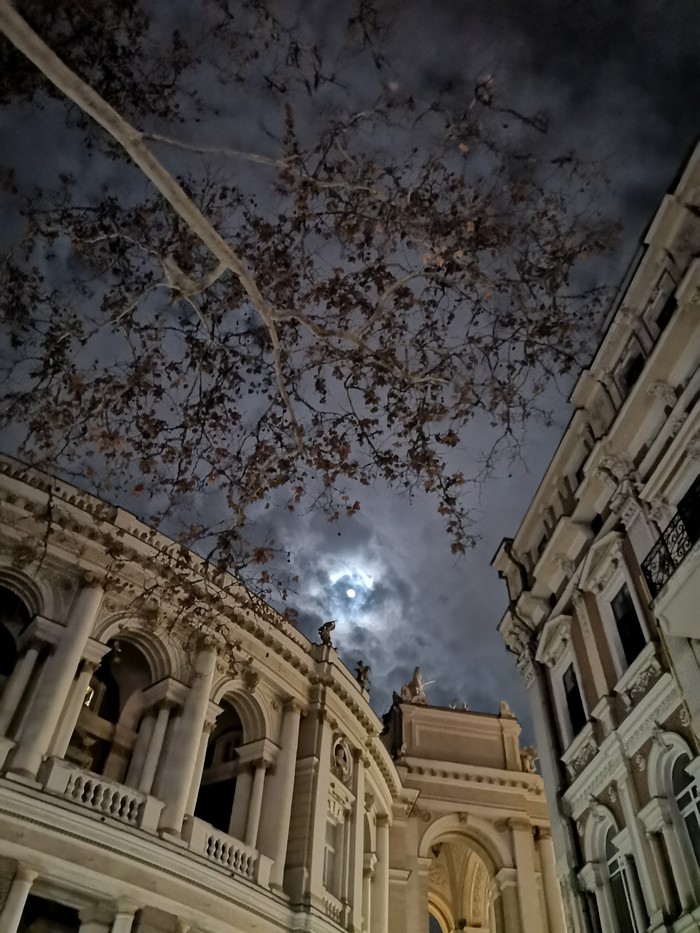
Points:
x=414 y=690
x=325 y=632
x=362 y=672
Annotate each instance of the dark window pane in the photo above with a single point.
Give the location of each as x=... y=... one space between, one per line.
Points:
x=666 y=312
x=574 y=703
x=679 y=776
x=633 y=370
x=691 y=822
x=622 y=906
x=689 y=511
x=628 y=626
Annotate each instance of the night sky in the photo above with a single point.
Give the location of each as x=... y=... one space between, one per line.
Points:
x=620 y=82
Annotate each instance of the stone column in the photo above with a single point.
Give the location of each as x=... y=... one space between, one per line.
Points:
x=423 y=888
x=507 y=880
x=198 y=769
x=380 y=894
x=241 y=800
x=16 y=685
x=183 y=751
x=603 y=897
x=123 y=920
x=680 y=860
x=255 y=805
x=650 y=884
x=524 y=851
x=141 y=747
x=53 y=691
x=370 y=860
x=16 y=899
x=550 y=882
x=155 y=749
x=284 y=785
x=357 y=840
x=74 y=704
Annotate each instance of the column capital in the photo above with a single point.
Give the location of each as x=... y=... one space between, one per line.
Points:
x=506 y=878
x=293 y=705
x=543 y=833
x=25 y=873
x=93 y=580
x=520 y=824
x=264 y=763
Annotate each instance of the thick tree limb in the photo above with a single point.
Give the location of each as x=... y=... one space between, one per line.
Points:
x=23 y=37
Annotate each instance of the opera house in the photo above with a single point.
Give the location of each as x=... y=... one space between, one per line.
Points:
x=174 y=756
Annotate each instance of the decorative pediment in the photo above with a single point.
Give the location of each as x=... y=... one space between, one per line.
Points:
x=555 y=636
x=601 y=562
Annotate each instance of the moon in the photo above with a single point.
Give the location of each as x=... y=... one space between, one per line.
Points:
x=350 y=593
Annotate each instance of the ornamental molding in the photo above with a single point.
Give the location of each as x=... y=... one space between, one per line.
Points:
x=601 y=563
x=553 y=640
x=581 y=752
x=663 y=391
x=594 y=780
x=655 y=707
x=638 y=678
x=565 y=564
x=521 y=780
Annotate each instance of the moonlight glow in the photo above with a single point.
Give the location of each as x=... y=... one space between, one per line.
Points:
x=350 y=593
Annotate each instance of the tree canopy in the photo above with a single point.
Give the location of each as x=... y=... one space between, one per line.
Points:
x=264 y=266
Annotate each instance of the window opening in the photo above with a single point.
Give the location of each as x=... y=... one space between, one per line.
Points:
x=688 y=799
x=628 y=626
x=574 y=702
x=620 y=888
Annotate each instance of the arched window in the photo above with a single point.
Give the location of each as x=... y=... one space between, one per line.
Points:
x=105 y=733
x=14 y=618
x=619 y=885
x=221 y=768
x=622 y=876
x=687 y=797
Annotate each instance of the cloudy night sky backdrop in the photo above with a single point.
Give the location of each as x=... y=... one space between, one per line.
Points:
x=620 y=82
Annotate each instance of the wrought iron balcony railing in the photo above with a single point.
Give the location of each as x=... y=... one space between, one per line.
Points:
x=667 y=554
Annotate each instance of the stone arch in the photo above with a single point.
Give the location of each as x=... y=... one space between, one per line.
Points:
x=36 y=593
x=488 y=844
x=254 y=715
x=595 y=834
x=161 y=656
x=664 y=753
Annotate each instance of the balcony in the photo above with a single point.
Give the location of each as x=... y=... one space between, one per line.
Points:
x=675 y=542
x=110 y=799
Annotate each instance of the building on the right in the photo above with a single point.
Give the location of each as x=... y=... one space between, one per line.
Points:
x=603 y=581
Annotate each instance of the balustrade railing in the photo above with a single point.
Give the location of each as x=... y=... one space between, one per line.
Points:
x=123 y=803
x=333 y=908
x=108 y=798
x=229 y=853
x=667 y=554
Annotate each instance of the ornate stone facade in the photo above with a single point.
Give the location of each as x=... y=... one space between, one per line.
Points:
x=611 y=607
x=174 y=756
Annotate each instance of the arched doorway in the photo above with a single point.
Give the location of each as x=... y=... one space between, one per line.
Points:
x=459 y=888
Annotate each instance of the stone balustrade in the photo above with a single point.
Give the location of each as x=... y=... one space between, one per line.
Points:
x=227 y=852
x=333 y=908
x=108 y=798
